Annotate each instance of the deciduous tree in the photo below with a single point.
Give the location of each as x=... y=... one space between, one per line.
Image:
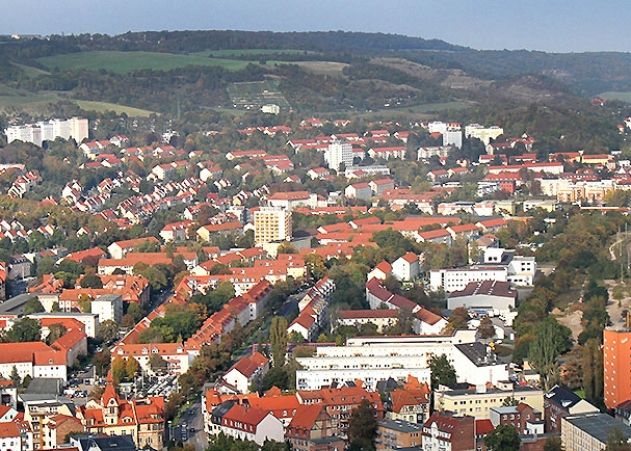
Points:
x=502 y=438
x=362 y=427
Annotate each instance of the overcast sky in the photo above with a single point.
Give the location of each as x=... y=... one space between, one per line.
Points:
x=550 y=25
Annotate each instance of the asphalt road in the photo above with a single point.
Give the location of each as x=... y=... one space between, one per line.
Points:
x=195 y=420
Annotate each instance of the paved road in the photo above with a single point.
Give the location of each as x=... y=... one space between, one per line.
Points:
x=195 y=420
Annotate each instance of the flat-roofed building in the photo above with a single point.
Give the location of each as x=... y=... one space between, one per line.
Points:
x=591 y=432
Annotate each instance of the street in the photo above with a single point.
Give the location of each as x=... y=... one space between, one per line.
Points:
x=195 y=420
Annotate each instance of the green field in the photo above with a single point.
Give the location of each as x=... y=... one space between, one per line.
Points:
x=124 y=62
x=40 y=102
x=14 y=98
x=102 y=107
x=230 y=53
x=623 y=96
x=425 y=110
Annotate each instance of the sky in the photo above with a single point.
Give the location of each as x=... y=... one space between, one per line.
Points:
x=548 y=25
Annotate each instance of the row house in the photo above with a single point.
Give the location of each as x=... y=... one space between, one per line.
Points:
x=24 y=183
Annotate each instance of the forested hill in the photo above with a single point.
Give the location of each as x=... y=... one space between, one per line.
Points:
x=586 y=74
x=206 y=74
x=195 y=41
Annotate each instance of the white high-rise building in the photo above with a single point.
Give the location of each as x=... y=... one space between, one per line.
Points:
x=337 y=153
x=453 y=137
x=76 y=128
x=272 y=224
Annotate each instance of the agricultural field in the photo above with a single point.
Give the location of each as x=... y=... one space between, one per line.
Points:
x=125 y=62
x=253 y=95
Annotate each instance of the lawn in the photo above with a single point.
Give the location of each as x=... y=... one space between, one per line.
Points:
x=102 y=107
x=623 y=96
x=124 y=62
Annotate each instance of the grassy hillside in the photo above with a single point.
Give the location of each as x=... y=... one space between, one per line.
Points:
x=125 y=62
x=102 y=107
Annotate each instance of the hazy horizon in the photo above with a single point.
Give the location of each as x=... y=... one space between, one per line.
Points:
x=484 y=24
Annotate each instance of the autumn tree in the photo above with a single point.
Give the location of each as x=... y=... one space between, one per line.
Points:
x=108 y=330
x=486 y=329
x=119 y=370
x=458 y=320
x=132 y=367
x=316 y=269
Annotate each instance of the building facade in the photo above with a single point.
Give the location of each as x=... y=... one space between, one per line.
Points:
x=272 y=224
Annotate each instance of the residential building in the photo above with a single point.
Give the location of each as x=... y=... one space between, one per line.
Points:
x=292 y=199
x=380 y=186
x=142 y=419
x=442 y=432
x=33 y=359
x=381 y=318
x=337 y=154
x=99 y=442
x=56 y=428
x=455 y=279
x=108 y=307
x=374 y=359
x=561 y=402
x=410 y=403
x=272 y=224
x=395 y=434
x=386 y=153
x=452 y=138
x=340 y=403
x=425 y=153
x=406 y=267
x=246 y=371
x=590 y=432
x=359 y=191
x=617 y=366
x=484 y=134
x=75 y=128
x=119 y=249
x=519 y=416
x=175 y=356
x=248 y=423
x=207 y=232
x=313 y=429
x=481 y=400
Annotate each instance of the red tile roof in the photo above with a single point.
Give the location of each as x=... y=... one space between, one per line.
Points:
x=248 y=365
